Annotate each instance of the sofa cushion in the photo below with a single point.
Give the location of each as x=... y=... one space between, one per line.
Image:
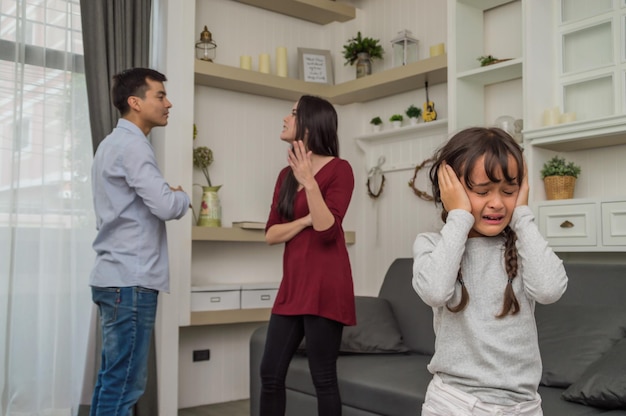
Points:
x=571 y=337
x=414 y=317
x=376 y=329
x=603 y=384
x=383 y=384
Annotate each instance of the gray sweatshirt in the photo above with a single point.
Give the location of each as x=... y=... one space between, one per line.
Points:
x=495 y=359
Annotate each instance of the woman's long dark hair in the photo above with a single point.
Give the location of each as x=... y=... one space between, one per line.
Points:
x=316 y=124
x=462 y=152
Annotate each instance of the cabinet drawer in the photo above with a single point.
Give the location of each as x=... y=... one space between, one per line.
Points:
x=614 y=223
x=215 y=298
x=258 y=295
x=568 y=225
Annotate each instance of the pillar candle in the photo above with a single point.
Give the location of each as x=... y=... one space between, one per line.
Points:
x=437 y=50
x=245 y=62
x=551 y=116
x=281 y=61
x=568 y=117
x=264 y=63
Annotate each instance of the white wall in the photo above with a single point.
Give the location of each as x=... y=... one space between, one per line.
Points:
x=243 y=132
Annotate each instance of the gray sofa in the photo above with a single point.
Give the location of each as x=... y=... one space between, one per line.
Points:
x=382 y=368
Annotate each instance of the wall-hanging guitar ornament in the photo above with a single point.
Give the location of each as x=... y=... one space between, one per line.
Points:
x=429 y=107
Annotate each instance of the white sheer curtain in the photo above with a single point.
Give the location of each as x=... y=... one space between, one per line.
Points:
x=46 y=220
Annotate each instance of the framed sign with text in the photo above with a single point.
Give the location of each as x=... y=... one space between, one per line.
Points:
x=314 y=65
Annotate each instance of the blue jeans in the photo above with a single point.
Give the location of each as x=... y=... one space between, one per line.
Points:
x=127 y=317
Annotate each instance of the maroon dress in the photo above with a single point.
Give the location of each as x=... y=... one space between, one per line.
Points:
x=317 y=278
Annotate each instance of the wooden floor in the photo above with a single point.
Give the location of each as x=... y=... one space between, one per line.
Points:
x=236 y=408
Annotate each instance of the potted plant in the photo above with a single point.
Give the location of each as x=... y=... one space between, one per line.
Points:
x=559 y=178
x=396 y=120
x=486 y=60
x=362 y=50
x=376 y=123
x=413 y=113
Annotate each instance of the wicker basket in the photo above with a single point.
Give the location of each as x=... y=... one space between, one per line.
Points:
x=559 y=187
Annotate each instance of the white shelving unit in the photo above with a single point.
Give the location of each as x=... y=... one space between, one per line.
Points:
x=475 y=28
x=561 y=53
x=580 y=68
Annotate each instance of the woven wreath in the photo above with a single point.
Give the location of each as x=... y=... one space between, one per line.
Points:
x=422 y=194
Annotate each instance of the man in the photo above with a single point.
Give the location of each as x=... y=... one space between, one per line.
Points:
x=132 y=201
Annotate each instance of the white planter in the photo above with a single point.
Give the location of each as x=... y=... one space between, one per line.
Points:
x=376 y=128
x=413 y=121
x=396 y=124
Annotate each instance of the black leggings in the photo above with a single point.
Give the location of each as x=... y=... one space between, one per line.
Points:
x=284 y=334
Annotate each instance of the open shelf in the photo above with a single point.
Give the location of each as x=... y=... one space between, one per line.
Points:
x=317 y=11
x=231 y=316
x=579 y=135
x=381 y=84
x=241 y=235
x=401 y=133
x=492 y=74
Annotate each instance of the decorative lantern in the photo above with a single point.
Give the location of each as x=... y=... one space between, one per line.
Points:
x=205 y=48
x=404 y=48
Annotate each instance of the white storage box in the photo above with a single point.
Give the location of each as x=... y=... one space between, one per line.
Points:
x=215 y=297
x=258 y=295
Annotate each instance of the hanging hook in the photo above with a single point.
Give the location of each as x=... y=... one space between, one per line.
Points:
x=377 y=170
x=374 y=172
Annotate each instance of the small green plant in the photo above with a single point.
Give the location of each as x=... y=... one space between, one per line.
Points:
x=413 y=112
x=396 y=117
x=558 y=166
x=359 y=45
x=486 y=60
x=377 y=121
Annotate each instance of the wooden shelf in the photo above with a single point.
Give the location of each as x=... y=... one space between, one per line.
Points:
x=316 y=11
x=233 y=316
x=241 y=235
x=381 y=84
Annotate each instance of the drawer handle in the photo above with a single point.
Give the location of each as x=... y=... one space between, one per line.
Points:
x=567 y=224
x=265 y=297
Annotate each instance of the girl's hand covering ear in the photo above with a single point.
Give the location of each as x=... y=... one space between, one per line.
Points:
x=453 y=193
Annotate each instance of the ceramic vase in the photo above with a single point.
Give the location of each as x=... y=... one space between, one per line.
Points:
x=363 y=65
x=210 y=207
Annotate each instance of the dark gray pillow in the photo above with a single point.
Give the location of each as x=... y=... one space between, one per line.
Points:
x=603 y=384
x=571 y=337
x=376 y=329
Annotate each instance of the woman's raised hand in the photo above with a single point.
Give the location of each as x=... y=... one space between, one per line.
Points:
x=300 y=161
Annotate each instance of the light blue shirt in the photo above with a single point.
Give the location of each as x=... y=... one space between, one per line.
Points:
x=132 y=201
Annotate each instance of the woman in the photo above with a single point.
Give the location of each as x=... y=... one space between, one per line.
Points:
x=316 y=296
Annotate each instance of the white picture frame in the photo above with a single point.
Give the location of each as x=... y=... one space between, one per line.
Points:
x=315 y=65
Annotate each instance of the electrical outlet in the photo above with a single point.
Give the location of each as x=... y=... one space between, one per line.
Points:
x=201 y=355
